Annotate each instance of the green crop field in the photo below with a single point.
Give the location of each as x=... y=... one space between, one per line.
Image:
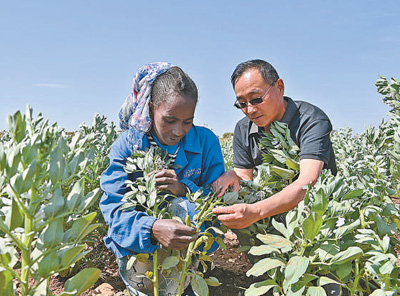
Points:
x=343 y=232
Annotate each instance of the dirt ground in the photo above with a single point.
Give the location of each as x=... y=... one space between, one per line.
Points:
x=230 y=269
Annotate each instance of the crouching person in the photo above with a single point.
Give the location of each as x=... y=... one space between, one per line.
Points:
x=159 y=112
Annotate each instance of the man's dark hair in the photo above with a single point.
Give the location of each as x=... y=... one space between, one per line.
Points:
x=267 y=71
x=173 y=81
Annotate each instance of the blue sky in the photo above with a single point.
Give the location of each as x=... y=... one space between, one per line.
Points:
x=72 y=59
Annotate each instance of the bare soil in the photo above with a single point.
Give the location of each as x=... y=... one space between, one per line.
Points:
x=230 y=269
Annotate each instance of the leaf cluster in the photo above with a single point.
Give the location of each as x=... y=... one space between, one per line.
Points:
x=44 y=209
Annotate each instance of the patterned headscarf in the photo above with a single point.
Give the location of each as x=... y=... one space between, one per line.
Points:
x=134 y=114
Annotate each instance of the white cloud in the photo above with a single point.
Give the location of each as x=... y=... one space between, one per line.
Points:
x=50 y=85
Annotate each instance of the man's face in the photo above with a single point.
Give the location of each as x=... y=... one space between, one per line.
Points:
x=251 y=85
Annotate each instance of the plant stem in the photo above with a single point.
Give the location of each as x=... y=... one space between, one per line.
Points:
x=186 y=264
x=155 y=273
x=26 y=252
x=357 y=276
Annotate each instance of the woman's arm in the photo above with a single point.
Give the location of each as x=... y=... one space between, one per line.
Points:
x=129 y=231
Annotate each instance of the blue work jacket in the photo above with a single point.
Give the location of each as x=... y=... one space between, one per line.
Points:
x=201 y=163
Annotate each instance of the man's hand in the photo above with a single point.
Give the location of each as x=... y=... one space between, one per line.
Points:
x=225 y=181
x=173 y=234
x=237 y=216
x=168 y=180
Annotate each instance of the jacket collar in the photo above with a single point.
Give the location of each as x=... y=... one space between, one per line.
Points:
x=190 y=144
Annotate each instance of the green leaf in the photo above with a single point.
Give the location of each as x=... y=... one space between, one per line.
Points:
x=28 y=177
x=263 y=266
x=17 y=126
x=220 y=242
x=82 y=281
x=80 y=228
x=262 y=250
x=3 y=157
x=76 y=161
x=320 y=202
x=323 y=280
x=348 y=255
x=14 y=217
x=48 y=264
x=55 y=205
x=230 y=197
x=6 y=282
x=353 y=194
x=128 y=206
x=316 y=291
x=385 y=228
x=152 y=199
x=141 y=198
x=212 y=281
x=260 y=288
x=275 y=241
x=8 y=254
x=343 y=230
x=169 y=262
x=216 y=230
x=295 y=268
x=283 y=173
x=244 y=248
x=89 y=199
x=281 y=228
x=311 y=225
x=327 y=250
x=292 y=164
x=194 y=196
x=54 y=233
x=70 y=255
x=151 y=183
x=344 y=270
x=131 y=261
x=57 y=165
x=199 y=285
x=76 y=195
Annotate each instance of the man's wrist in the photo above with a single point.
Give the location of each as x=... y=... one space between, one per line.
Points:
x=257 y=211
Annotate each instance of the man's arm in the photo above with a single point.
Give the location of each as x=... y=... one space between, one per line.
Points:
x=243 y=215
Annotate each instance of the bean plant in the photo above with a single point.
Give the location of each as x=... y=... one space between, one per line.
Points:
x=44 y=215
x=144 y=195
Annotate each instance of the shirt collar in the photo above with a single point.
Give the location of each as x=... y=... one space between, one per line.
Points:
x=290 y=112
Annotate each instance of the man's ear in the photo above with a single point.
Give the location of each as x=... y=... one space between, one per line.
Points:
x=281 y=86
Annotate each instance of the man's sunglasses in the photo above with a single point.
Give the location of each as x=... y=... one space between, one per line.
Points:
x=253 y=102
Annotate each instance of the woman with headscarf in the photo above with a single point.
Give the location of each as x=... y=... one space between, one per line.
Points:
x=159 y=111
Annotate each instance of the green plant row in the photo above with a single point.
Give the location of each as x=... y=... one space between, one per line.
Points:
x=49 y=188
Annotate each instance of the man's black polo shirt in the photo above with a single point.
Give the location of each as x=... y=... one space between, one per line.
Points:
x=309 y=128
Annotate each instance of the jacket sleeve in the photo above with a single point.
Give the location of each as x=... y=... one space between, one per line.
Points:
x=129 y=231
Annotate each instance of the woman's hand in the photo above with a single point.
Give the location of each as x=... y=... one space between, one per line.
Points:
x=225 y=181
x=168 y=180
x=173 y=234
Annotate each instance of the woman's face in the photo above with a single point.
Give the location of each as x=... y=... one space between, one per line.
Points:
x=173 y=119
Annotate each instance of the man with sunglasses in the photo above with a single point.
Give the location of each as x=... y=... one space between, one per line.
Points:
x=260 y=95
